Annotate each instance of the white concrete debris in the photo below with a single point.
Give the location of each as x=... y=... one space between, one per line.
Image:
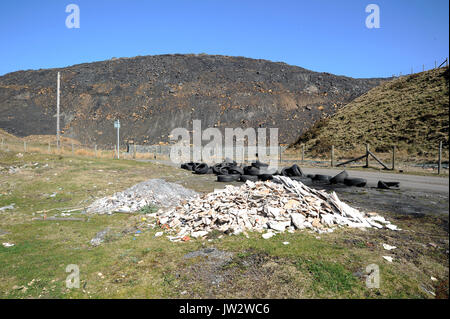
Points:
x=7 y=207
x=6 y=245
x=388 y=247
x=156 y=192
x=388 y=258
x=277 y=206
x=268 y=235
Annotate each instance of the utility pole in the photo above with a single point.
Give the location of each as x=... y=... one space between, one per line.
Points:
x=117 y=126
x=57 y=114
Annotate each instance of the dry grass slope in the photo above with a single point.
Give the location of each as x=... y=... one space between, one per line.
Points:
x=410 y=112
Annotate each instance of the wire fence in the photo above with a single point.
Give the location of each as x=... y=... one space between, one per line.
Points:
x=400 y=160
x=423 y=68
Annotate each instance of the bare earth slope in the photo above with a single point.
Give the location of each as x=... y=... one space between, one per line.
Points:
x=151 y=95
x=410 y=112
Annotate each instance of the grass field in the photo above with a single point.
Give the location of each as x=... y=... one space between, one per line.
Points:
x=133 y=263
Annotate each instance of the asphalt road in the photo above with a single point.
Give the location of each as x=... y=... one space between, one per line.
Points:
x=427 y=184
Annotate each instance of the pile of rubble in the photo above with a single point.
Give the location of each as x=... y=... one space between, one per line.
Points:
x=278 y=205
x=155 y=192
x=16 y=168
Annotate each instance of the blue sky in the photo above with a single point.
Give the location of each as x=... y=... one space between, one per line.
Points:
x=321 y=35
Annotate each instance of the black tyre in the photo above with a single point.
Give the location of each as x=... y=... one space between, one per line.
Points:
x=235 y=170
x=230 y=162
x=225 y=178
x=259 y=164
x=296 y=171
x=305 y=180
x=311 y=176
x=228 y=178
x=245 y=178
x=322 y=178
x=250 y=170
x=382 y=185
x=201 y=169
x=265 y=177
x=387 y=185
x=392 y=184
x=186 y=166
x=358 y=182
x=339 y=178
x=216 y=168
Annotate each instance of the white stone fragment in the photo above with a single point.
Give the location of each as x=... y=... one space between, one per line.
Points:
x=268 y=235
x=388 y=258
x=388 y=247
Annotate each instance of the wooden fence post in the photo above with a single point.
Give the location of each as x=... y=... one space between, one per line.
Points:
x=393 y=158
x=72 y=147
x=24 y=146
x=2 y=143
x=134 y=151
x=332 y=155
x=367 y=154
x=303 y=153
x=49 y=147
x=279 y=153
x=95 y=147
x=440 y=158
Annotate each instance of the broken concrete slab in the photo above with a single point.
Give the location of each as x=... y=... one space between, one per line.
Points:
x=99 y=238
x=280 y=205
x=155 y=192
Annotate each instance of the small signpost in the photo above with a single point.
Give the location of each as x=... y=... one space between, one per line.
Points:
x=117 y=126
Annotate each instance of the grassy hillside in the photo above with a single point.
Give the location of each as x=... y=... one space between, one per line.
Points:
x=7 y=136
x=410 y=112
